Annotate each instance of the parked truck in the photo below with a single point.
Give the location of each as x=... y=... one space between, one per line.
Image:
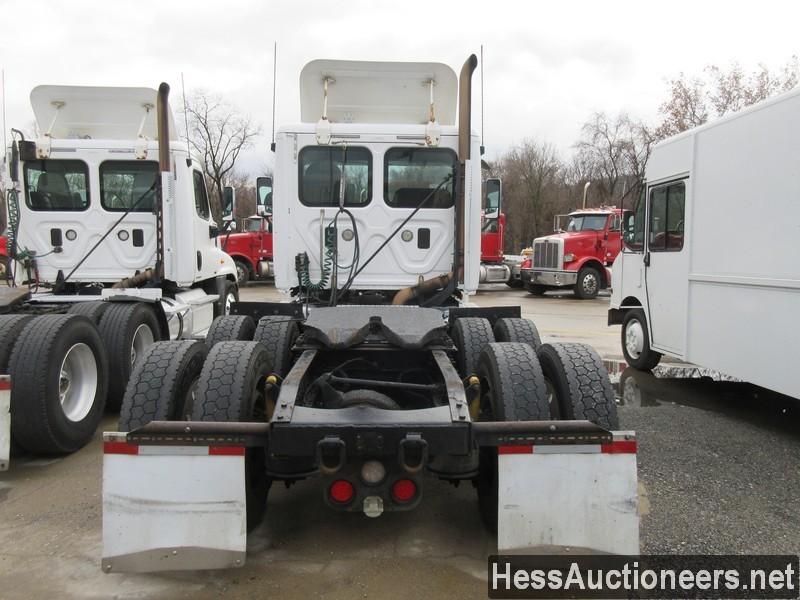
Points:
x=379 y=373
x=111 y=248
x=577 y=255
x=676 y=292
x=251 y=248
x=496 y=266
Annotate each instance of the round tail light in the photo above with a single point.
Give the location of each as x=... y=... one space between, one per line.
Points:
x=342 y=491
x=404 y=490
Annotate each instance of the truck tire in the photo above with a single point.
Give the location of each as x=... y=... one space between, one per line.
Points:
x=10 y=328
x=578 y=384
x=470 y=335
x=229 y=295
x=517 y=330
x=127 y=330
x=278 y=334
x=162 y=384
x=636 y=341
x=243 y=272
x=512 y=389
x=59 y=380
x=230 y=328
x=588 y=284
x=94 y=310
x=536 y=290
x=231 y=389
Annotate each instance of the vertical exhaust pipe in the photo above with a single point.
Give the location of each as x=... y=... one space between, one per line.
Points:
x=162 y=108
x=464 y=154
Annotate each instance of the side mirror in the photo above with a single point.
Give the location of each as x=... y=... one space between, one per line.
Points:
x=264 y=195
x=13 y=165
x=228 y=203
x=629 y=231
x=213 y=231
x=493 y=200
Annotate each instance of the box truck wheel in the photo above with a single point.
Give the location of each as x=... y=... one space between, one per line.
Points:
x=163 y=383
x=470 y=335
x=93 y=310
x=243 y=272
x=231 y=389
x=127 y=330
x=588 y=284
x=578 y=384
x=278 y=335
x=230 y=328
x=636 y=341
x=59 y=379
x=517 y=330
x=512 y=389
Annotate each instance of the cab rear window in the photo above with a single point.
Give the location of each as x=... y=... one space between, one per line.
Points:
x=411 y=174
x=56 y=185
x=321 y=169
x=128 y=185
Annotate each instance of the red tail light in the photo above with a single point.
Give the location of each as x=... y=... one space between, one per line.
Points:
x=342 y=491
x=404 y=490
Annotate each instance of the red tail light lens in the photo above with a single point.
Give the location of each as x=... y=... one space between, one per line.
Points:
x=404 y=490
x=342 y=491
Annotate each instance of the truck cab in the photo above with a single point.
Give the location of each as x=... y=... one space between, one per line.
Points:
x=585 y=242
x=251 y=248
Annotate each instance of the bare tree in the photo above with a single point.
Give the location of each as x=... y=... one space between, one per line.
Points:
x=218 y=132
x=692 y=101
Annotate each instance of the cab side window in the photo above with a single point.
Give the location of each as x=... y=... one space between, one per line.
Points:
x=200 y=196
x=667 y=213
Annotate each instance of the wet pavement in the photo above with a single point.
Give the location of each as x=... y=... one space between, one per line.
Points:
x=717 y=467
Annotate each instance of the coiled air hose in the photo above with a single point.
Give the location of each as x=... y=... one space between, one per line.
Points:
x=301 y=265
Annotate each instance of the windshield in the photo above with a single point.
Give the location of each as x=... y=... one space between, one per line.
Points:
x=57 y=185
x=587 y=222
x=252 y=225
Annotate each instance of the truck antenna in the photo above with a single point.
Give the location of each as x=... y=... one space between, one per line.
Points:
x=186 y=119
x=274 y=85
x=483 y=148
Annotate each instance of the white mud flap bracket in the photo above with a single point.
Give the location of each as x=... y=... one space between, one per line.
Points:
x=169 y=508
x=569 y=498
x=5 y=422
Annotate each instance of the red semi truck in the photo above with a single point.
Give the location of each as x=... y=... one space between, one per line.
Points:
x=496 y=267
x=251 y=249
x=577 y=254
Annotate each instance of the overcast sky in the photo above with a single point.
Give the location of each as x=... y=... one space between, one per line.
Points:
x=548 y=65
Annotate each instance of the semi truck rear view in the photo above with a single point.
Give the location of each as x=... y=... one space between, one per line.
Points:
x=379 y=373
x=709 y=271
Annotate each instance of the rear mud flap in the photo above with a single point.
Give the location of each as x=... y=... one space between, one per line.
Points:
x=5 y=422
x=168 y=508
x=569 y=498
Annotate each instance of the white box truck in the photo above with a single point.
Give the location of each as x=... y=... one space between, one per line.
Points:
x=710 y=272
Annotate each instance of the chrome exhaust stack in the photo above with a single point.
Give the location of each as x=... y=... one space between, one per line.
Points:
x=464 y=154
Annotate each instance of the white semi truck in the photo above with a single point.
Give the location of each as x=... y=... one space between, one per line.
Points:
x=709 y=272
x=378 y=373
x=112 y=248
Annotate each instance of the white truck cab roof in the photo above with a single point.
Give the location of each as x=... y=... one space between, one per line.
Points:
x=111 y=113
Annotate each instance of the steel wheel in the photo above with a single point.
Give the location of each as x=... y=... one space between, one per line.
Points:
x=230 y=298
x=241 y=273
x=634 y=338
x=590 y=284
x=77 y=383
x=143 y=338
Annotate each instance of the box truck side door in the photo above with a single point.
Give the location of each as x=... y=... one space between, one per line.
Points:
x=667 y=266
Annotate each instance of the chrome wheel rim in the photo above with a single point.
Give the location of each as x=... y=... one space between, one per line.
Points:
x=77 y=382
x=634 y=338
x=229 y=300
x=631 y=394
x=240 y=272
x=590 y=284
x=143 y=338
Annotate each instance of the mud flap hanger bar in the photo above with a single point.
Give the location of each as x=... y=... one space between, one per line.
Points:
x=496 y=433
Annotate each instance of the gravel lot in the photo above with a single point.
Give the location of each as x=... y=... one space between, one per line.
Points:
x=717 y=471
